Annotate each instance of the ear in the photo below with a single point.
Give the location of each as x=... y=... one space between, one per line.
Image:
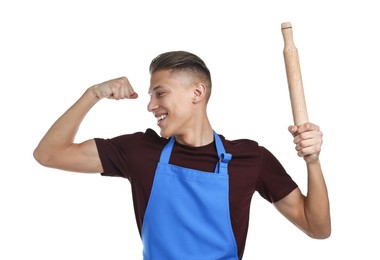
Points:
x=199 y=92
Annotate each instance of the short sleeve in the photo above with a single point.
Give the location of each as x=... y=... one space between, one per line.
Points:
x=116 y=154
x=274 y=183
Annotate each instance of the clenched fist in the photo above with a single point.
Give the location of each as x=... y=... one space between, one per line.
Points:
x=308 y=139
x=119 y=88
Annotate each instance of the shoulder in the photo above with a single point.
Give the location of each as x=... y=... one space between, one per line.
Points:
x=240 y=146
x=148 y=135
x=151 y=136
x=132 y=140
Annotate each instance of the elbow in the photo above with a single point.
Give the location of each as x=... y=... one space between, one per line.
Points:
x=321 y=233
x=42 y=157
x=38 y=156
x=321 y=236
x=327 y=233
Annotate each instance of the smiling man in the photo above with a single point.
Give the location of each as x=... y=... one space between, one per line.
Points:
x=191 y=186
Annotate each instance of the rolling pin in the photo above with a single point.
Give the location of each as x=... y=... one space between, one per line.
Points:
x=294 y=77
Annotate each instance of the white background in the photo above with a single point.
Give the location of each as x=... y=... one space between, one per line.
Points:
x=51 y=51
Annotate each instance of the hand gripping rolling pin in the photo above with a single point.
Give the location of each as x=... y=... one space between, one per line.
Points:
x=293 y=73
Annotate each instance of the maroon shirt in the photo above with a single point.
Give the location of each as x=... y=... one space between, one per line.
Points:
x=252 y=168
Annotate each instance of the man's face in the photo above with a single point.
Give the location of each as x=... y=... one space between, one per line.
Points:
x=171 y=102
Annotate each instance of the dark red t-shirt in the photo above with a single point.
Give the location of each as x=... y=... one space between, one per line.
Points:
x=252 y=168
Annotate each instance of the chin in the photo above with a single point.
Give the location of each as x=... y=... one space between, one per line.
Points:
x=165 y=133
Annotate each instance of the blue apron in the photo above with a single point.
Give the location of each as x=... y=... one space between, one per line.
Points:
x=188 y=217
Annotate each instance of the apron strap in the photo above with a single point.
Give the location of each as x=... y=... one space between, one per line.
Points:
x=224 y=158
x=221 y=166
x=166 y=152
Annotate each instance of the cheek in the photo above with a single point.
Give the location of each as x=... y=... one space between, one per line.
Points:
x=179 y=104
x=182 y=106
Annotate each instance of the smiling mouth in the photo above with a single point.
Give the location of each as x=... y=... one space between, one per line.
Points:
x=160 y=118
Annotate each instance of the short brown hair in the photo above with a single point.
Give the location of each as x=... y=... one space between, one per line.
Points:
x=185 y=62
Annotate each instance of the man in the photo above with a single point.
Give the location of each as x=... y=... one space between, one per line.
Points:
x=191 y=187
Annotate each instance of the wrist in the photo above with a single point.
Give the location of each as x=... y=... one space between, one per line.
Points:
x=92 y=93
x=313 y=163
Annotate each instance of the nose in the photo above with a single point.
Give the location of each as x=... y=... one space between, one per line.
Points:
x=152 y=105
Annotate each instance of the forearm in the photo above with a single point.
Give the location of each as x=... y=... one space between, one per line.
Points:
x=317 y=208
x=62 y=133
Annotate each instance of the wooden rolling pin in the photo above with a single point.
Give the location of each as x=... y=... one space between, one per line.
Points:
x=293 y=73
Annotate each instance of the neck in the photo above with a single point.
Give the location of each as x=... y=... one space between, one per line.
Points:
x=199 y=135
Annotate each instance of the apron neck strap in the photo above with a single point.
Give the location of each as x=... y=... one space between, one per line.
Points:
x=224 y=158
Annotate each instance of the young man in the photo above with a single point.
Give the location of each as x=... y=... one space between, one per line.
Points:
x=191 y=187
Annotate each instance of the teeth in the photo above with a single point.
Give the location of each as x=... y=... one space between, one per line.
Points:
x=159 y=118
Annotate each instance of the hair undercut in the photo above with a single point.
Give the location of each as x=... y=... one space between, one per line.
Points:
x=182 y=61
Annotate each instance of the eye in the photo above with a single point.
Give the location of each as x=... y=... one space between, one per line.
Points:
x=160 y=93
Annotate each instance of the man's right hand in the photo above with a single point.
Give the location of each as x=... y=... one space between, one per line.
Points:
x=118 y=88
